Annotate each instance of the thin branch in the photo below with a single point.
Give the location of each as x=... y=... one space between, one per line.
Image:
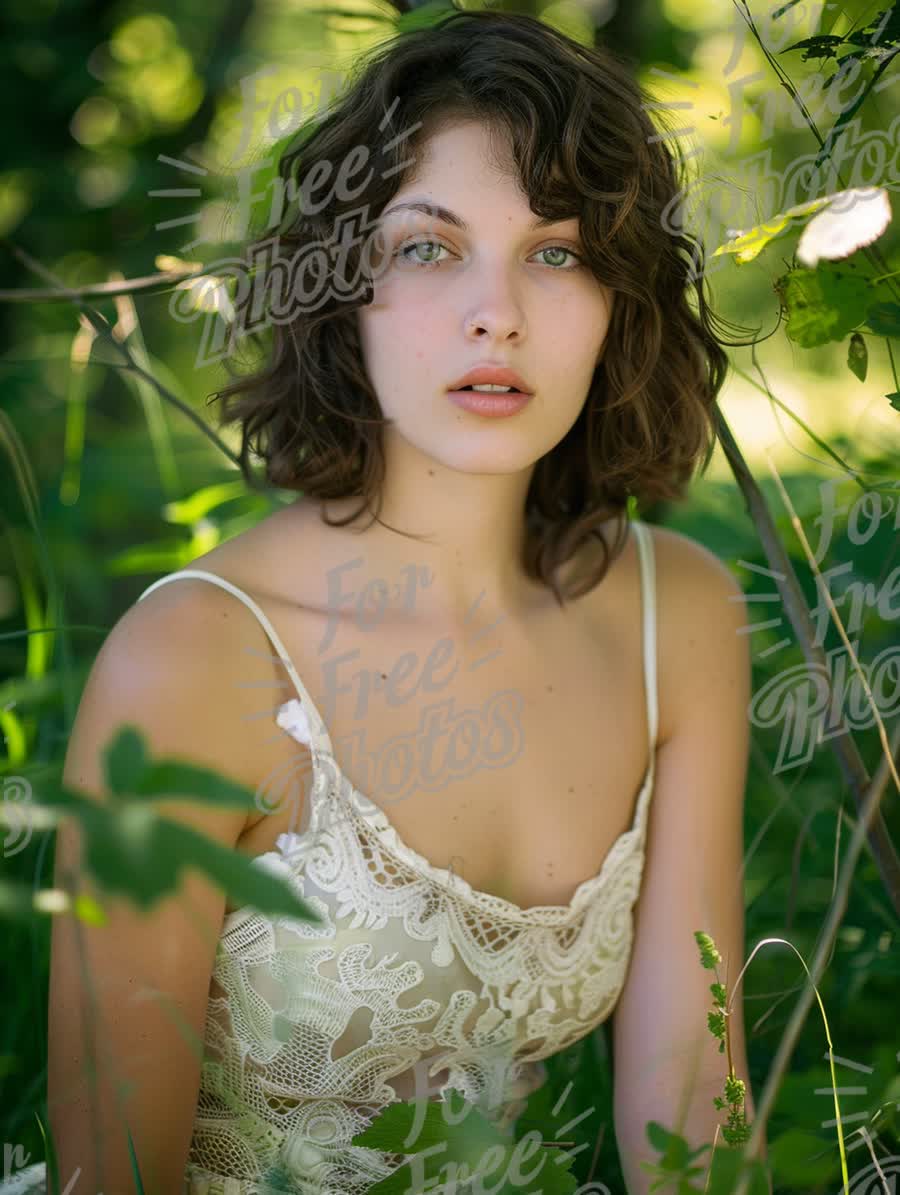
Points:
x=843 y=744
x=105 y=333
x=99 y=290
x=826 y=943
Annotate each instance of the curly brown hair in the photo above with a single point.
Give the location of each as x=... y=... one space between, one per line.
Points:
x=585 y=147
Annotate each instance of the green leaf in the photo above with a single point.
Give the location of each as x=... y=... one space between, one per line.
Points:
x=800 y=1158
x=728 y=1164
x=658 y=1136
x=424 y=16
x=129 y=771
x=391 y=1129
x=674 y=1149
x=748 y=245
x=461 y=1150
x=197 y=506
x=823 y=304
x=124 y=760
x=820 y=46
x=884 y=319
x=858 y=356
x=16 y=900
x=171 y=779
x=132 y=851
x=86 y=909
x=894 y=399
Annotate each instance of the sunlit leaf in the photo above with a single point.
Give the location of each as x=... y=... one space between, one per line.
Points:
x=747 y=245
x=172 y=264
x=208 y=292
x=189 y=510
x=88 y=910
x=850 y=220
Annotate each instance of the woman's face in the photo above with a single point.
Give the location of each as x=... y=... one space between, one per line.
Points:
x=500 y=290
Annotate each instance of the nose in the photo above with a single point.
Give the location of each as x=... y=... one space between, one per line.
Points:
x=497 y=309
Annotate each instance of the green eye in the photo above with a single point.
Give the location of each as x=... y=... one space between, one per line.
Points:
x=561 y=249
x=404 y=252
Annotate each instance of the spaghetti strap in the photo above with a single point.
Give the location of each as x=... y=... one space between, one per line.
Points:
x=302 y=719
x=648 y=607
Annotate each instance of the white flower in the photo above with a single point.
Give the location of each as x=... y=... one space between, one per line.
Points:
x=853 y=218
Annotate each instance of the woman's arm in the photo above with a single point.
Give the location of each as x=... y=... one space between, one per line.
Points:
x=667 y=1063
x=142 y=1005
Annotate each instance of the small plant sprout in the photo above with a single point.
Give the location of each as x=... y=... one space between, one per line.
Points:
x=737 y=1131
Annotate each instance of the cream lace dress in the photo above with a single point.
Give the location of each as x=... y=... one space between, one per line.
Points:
x=415 y=983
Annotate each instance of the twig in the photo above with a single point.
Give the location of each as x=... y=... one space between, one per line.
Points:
x=100 y=290
x=101 y=326
x=843 y=744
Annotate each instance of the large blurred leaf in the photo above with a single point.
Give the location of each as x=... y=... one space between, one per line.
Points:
x=728 y=1164
x=747 y=245
x=822 y=304
x=130 y=849
x=799 y=1157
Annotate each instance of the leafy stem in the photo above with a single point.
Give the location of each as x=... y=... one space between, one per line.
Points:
x=737 y=1131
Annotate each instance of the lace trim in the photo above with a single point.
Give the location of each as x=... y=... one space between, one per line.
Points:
x=292 y=718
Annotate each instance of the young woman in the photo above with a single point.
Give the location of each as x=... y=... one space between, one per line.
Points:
x=523 y=712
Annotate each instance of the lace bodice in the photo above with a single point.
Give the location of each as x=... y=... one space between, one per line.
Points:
x=415 y=981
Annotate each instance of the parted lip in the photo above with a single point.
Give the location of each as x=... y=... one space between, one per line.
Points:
x=492 y=375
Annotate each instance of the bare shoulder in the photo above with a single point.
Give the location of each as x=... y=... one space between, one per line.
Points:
x=687 y=564
x=185 y=614
x=271 y=558
x=700 y=607
x=191 y=667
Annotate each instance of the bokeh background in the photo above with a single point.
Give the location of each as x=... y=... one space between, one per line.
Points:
x=121 y=152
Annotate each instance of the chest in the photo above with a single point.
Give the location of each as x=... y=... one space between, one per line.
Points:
x=512 y=759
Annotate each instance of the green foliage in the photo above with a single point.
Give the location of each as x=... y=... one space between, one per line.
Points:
x=822 y=304
x=675 y=1173
x=675 y=1159
x=133 y=851
x=455 y=1144
x=124 y=489
x=736 y=1131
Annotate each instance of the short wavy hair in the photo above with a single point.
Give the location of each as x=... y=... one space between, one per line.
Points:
x=584 y=147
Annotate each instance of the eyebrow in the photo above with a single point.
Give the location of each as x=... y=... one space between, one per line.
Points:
x=444 y=214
